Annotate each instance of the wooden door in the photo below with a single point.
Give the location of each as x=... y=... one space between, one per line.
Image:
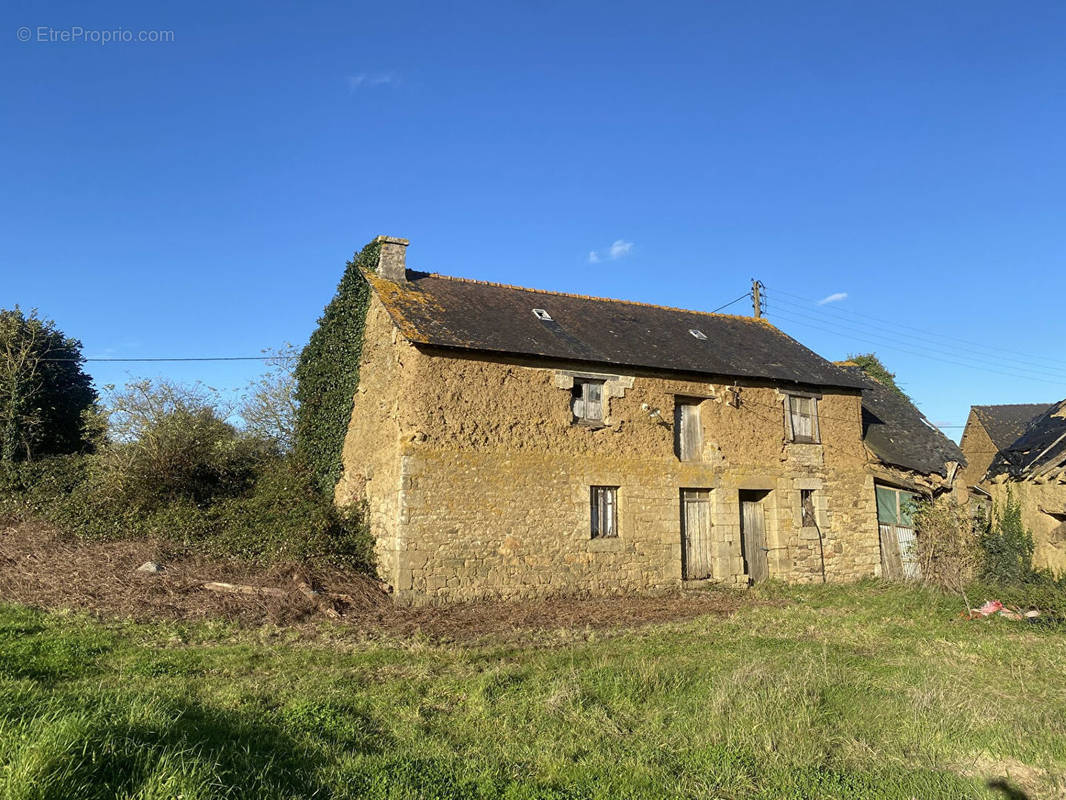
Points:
x=695 y=534
x=753 y=535
x=899 y=557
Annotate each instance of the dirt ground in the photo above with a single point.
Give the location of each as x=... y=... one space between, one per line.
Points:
x=41 y=569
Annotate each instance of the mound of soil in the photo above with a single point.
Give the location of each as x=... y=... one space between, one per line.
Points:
x=42 y=569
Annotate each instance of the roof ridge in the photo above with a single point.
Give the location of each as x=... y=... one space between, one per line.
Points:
x=1011 y=405
x=456 y=278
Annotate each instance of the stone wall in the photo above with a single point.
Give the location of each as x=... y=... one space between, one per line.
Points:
x=1049 y=533
x=979 y=450
x=478 y=481
x=373 y=444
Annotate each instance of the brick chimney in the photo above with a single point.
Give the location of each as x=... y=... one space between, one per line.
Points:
x=392 y=261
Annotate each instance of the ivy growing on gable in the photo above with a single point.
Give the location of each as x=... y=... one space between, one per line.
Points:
x=327 y=373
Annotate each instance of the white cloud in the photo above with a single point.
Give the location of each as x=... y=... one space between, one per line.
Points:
x=371 y=79
x=836 y=297
x=618 y=249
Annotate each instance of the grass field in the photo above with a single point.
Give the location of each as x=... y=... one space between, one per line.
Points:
x=868 y=691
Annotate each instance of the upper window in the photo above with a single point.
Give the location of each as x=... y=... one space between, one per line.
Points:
x=604 y=509
x=801 y=416
x=587 y=401
x=688 y=436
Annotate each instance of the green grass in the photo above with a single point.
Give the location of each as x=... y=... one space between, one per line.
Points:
x=868 y=691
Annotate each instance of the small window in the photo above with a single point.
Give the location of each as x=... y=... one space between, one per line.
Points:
x=604 y=508
x=807 y=508
x=698 y=333
x=688 y=436
x=587 y=401
x=802 y=418
x=541 y=314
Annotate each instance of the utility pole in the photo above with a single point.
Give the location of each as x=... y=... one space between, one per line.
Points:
x=756 y=297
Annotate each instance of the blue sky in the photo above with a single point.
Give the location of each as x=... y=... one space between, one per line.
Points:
x=200 y=196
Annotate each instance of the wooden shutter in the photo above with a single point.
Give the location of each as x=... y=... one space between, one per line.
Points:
x=593 y=400
x=689 y=433
x=577 y=404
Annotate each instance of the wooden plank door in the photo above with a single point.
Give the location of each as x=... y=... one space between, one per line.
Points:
x=695 y=534
x=891 y=563
x=753 y=535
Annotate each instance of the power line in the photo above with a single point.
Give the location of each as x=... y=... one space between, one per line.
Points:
x=882 y=344
x=744 y=296
x=978 y=359
x=921 y=341
x=196 y=358
x=895 y=324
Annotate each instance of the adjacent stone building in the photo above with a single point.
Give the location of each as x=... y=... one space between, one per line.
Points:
x=1022 y=449
x=989 y=431
x=513 y=442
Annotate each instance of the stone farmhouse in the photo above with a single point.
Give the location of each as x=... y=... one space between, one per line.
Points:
x=1021 y=449
x=513 y=442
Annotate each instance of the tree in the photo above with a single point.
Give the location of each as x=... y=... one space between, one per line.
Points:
x=269 y=405
x=327 y=373
x=44 y=392
x=873 y=367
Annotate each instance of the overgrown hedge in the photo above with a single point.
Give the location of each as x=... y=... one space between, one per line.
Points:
x=327 y=373
x=279 y=516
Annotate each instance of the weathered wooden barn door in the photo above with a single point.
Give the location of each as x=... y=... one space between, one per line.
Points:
x=695 y=534
x=753 y=535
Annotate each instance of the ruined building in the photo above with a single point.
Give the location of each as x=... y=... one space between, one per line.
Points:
x=514 y=442
x=1021 y=449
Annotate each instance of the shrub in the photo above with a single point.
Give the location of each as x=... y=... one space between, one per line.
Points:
x=171 y=444
x=34 y=488
x=1007 y=546
x=947 y=548
x=175 y=470
x=285 y=518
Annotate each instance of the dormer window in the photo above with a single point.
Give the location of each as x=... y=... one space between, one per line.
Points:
x=801 y=418
x=698 y=334
x=587 y=401
x=542 y=315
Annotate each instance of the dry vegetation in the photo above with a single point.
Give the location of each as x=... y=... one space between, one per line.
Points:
x=43 y=569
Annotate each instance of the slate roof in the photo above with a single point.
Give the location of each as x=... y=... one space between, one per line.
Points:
x=1004 y=424
x=899 y=434
x=1041 y=446
x=490 y=317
